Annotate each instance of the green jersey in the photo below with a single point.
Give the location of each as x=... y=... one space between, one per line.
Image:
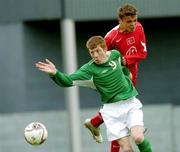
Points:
x=107 y=78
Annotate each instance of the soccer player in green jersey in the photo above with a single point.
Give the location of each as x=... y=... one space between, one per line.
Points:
x=121 y=111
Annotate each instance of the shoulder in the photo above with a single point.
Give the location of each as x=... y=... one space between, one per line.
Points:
x=139 y=26
x=112 y=32
x=115 y=53
x=87 y=65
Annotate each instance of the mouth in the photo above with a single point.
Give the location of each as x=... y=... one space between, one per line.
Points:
x=96 y=61
x=132 y=28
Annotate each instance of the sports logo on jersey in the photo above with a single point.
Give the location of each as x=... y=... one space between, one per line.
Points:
x=132 y=50
x=104 y=71
x=113 y=64
x=117 y=41
x=130 y=40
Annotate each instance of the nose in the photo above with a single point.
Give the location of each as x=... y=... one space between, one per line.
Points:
x=132 y=24
x=95 y=55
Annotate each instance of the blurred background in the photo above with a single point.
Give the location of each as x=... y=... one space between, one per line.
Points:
x=32 y=30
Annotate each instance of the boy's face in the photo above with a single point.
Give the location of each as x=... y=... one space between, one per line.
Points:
x=128 y=23
x=98 y=54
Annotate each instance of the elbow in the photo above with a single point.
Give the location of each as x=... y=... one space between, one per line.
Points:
x=144 y=55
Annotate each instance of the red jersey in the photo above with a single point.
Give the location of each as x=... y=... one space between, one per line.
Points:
x=132 y=47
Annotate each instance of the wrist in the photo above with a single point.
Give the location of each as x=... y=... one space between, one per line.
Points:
x=53 y=74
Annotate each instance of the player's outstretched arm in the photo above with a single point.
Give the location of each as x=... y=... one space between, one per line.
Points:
x=58 y=77
x=47 y=67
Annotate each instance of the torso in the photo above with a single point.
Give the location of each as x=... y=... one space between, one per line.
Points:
x=126 y=44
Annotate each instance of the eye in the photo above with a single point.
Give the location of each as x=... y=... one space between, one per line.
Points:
x=129 y=21
x=97 y=50
x=91 y=52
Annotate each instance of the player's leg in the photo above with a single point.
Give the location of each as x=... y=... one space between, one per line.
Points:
x=93 y=125
x=115 y=147
x=125 y=144
x=137 y=133
x=97 y=120
x=114 y=116
x=136 y=125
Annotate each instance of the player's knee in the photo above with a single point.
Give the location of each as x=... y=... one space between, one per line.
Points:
x=138 y=138
x=115 y=144
x=128 y=150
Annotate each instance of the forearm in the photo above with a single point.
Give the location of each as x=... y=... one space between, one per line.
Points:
x=136 y=58
x=62 y=79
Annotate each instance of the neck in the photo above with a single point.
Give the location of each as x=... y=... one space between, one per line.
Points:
x=106 y=57
x=123 y=30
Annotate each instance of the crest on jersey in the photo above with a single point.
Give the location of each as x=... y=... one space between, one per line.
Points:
x=130 y=40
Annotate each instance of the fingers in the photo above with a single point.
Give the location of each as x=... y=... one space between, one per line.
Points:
x=123 y=61
x=42 y=69
x=49 y=62
x=46 y=66
x=40 y=64
x=45 y=69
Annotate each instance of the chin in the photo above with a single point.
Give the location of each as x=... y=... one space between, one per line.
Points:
x=131 y=30
x=97 y=62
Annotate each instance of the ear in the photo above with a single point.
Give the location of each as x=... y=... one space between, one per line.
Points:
x=105 y=49
x=119 y=21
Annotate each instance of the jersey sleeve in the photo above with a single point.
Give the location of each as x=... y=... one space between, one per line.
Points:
x=62 y=79
x=141 y=52
x=109 y=37
x=108 y=42
x=125 y=71
x=81 y=77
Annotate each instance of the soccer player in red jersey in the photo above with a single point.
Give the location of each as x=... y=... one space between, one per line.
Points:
x=129 y=39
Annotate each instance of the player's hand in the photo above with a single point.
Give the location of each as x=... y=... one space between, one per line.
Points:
x=130 y=76
x=123 y=61
x=47 y=67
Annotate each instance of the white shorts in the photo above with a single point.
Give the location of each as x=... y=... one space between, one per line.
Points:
x=120 y=116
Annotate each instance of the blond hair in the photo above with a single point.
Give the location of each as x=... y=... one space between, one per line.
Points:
x=126 y=10
x=95 y=41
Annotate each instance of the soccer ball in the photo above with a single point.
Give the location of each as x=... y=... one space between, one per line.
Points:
x=35 y=133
